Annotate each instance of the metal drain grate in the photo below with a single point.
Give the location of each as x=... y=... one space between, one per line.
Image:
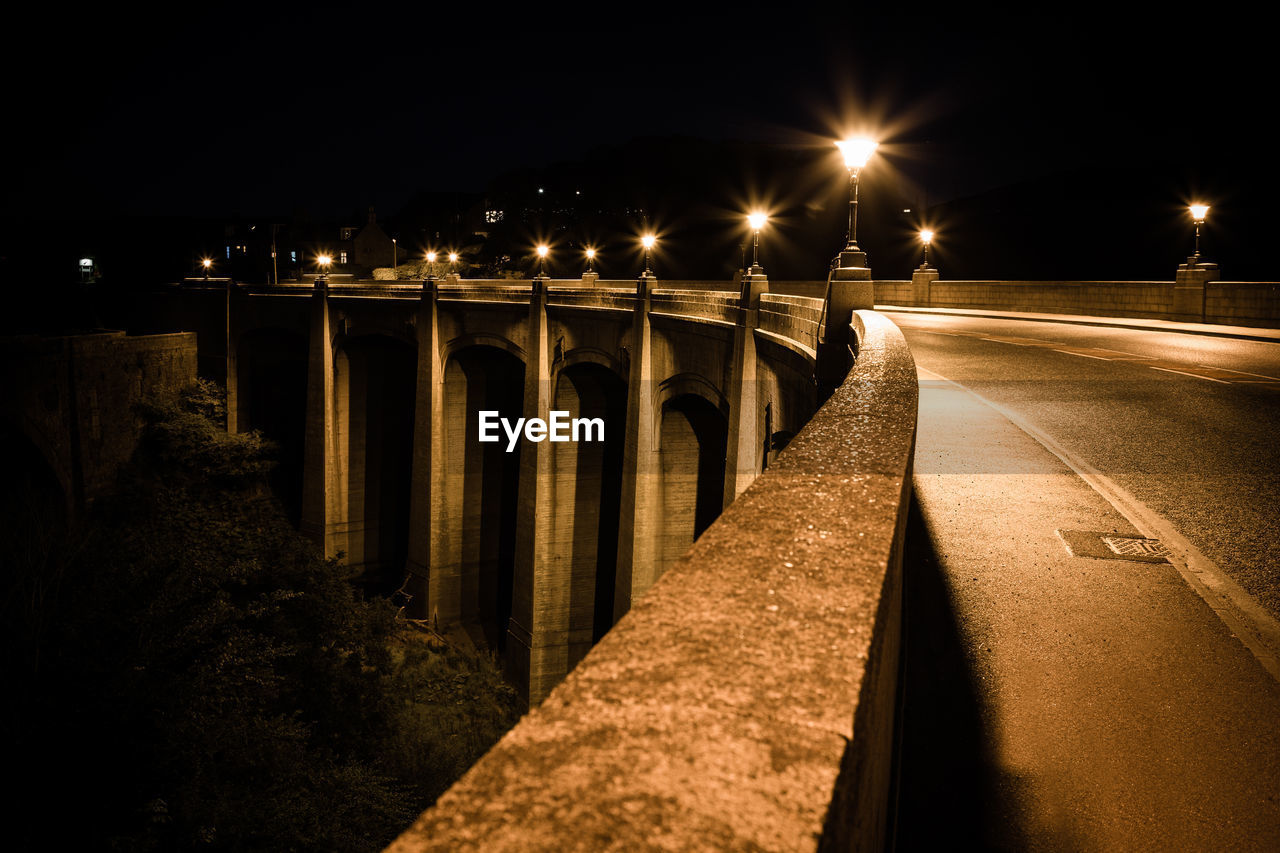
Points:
x=1127 y=547
x=1108 y=545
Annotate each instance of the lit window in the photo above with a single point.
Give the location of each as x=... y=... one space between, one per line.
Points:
x=342 y=257
x=493 y=216
x=293 y=257
x=228 y=253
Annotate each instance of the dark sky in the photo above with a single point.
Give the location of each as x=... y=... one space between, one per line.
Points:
x=225 y=109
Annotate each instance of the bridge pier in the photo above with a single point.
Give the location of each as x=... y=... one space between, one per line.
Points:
x=537 y=642
x=636 y=522
x=742 y=462
x=321 y=508
x=425 y=581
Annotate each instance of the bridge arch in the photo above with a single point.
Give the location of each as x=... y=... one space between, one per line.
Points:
x=374 y=391
x=481 y=339
x=694 y=385
x=594 y=355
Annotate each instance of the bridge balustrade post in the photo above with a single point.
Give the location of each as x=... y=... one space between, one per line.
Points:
x=425 y=581
x=922 y=280
x=1188 y=289
x=849 y=287
x=537 y=653
x=636 y=517
x=743 y=461
x=320 y=500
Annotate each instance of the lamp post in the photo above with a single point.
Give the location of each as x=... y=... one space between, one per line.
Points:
x=394 y=254
x=542 y=260
x=757 y=221
x=1198 y=213
x=647 y=241
x=206 y=263
x=857 y=151
x=431 y=265
x=591 y=256
x=324 y=261
x=926 y=237
x=453 y=263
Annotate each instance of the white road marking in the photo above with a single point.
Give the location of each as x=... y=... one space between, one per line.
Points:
x=1192 y=375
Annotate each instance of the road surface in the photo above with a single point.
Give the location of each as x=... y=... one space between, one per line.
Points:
x=1066 y=698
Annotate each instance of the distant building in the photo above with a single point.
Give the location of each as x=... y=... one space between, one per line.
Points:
x=371 y=247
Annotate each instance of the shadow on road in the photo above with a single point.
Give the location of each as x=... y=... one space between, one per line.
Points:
x=949 y=795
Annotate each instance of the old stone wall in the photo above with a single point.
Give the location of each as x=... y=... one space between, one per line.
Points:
x=74 y=398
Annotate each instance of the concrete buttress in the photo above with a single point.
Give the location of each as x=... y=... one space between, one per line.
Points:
x=321 y=507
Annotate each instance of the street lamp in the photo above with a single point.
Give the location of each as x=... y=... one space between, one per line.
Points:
x=324 y=261
x=453 y=263
x=857 y=151
x=647 y=241
x=591 y=256
x=394 y=255
x=926 y=237
x=542 y=259
x=1198 y=213
x=206 y=263
x=757 y=220
x=431 y=264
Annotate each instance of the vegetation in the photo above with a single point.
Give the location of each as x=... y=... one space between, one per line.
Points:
x=211 y=683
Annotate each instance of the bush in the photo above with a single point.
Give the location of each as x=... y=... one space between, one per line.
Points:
x=213 y=683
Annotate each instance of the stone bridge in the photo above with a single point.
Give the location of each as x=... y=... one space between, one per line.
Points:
x=373 y=390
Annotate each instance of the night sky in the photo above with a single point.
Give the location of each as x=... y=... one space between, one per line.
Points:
x=1076 y=120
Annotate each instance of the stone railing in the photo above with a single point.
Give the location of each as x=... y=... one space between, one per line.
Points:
x=747 y=701
x=792 y=317
x=1195 y=299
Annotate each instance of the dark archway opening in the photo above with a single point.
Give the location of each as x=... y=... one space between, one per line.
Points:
x=377 y=385
x=271 y=382
x=588 y=496
x=484 y=480
x=693 y=439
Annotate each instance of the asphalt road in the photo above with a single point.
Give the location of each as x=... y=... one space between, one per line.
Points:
x=1055 y=701
x=1200 y=447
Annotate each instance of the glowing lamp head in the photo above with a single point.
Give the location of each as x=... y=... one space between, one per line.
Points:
x=542 y=251
x=857 y=151
x=453 y=257
x=206 y=263
x=1198 y=211
x=324 y=260
x=431 y=257
x=758 y=220
x=591 y=254
x=648 y=240
x=926 y=236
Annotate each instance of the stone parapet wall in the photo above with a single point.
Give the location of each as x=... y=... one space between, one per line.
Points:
x=1238 y=303
x=721 y=306
x=1242 y=303
x=792 y=317
x=747 y=701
